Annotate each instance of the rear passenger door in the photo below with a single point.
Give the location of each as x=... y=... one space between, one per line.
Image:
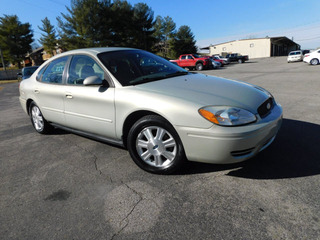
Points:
x=49 y=90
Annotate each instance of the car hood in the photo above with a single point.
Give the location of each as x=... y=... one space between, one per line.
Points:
x=206 y=90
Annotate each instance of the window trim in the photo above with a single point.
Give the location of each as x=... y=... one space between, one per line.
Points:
x=107 y=76
x=39 y=79
x=39 y=76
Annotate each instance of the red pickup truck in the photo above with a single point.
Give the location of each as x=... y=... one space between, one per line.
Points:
x=193 y=61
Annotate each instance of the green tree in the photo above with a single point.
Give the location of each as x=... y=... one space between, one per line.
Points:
x=184 y=41
x=49 y=37
x=95 y=23
x=15 y=38
x=132 y=25
x=122 y=25
x=165 y=30
x=86 y=25
x=143 y=22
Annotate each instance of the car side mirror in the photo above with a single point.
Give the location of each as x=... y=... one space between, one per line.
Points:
x=92 y=80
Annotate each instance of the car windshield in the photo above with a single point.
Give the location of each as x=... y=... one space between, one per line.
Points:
x=132 y=67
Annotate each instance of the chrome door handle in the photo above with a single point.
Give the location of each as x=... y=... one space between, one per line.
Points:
x=69 y=96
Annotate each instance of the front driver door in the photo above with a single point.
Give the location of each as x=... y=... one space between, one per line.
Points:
x=88 y=108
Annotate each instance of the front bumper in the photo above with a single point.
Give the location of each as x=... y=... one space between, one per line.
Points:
x=222 y=145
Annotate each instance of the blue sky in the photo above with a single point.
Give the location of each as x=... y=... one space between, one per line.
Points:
x=211 y=21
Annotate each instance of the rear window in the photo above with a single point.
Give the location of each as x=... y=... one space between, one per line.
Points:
x=295 y=53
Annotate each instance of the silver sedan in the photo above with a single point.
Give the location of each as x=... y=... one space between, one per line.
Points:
x=160 y=112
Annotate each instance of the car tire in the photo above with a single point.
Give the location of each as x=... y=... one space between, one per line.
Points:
x=240 y=61
x=155 y=146
x=199 y=66
x=314 y=61
x=39 y=123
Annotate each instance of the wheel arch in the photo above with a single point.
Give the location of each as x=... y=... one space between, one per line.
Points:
x=131 y=119
x=316 y=59
x=29 y=101
x=200 y=61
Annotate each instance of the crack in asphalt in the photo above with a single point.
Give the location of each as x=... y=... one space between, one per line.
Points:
x=95 y=158
x=96 y=165
x=130 y=212
x=200 y=178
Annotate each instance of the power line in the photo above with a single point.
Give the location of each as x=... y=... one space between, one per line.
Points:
x=57 y=2
x=35 y=5
x=301 y=40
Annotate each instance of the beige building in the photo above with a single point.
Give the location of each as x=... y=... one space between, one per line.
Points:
x=256 y=47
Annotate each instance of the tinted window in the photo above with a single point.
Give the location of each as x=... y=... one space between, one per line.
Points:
x=82 y=67
x=28 y=71
x=40 y=73
x=131 y=67
x=53 y=73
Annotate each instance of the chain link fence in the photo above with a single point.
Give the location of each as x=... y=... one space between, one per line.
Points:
x=9 y=74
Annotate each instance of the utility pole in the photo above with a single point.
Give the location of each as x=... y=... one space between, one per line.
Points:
x=4 y=66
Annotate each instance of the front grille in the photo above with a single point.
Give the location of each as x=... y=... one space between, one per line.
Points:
x=265 y=108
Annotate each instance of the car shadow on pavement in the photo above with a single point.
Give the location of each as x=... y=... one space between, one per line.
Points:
x=294 y=153
x=58 y=131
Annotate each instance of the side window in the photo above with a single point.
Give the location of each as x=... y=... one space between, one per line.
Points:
x=53 y=73
x=82 y=67
x=40 y=73
x=189 y=57
x=183 y=57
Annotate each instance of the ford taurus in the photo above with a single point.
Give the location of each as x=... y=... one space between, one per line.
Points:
x=160 y=112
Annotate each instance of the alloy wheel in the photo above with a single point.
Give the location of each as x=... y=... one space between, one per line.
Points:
x=37 y=118
x=156 y=146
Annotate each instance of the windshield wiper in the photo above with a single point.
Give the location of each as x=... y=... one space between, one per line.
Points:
x=145 y=80
x=176 y=74
x=155 y=78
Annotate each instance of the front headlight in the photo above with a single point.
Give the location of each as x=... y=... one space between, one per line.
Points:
x=227 y=116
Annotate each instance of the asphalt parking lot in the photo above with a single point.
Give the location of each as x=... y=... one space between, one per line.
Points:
x=64 y=186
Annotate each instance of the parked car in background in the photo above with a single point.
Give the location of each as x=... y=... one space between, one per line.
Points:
x=217 y=57
x=215 y=64
x=295 y=56
x=26 y=72
x=312 y=58
x=193 y=61
x=305 y=51
x=236 y=57
x=219 y=60
x=160 y=112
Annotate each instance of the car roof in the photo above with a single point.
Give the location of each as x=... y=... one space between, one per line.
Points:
x=96 y=51
x=91 y=51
